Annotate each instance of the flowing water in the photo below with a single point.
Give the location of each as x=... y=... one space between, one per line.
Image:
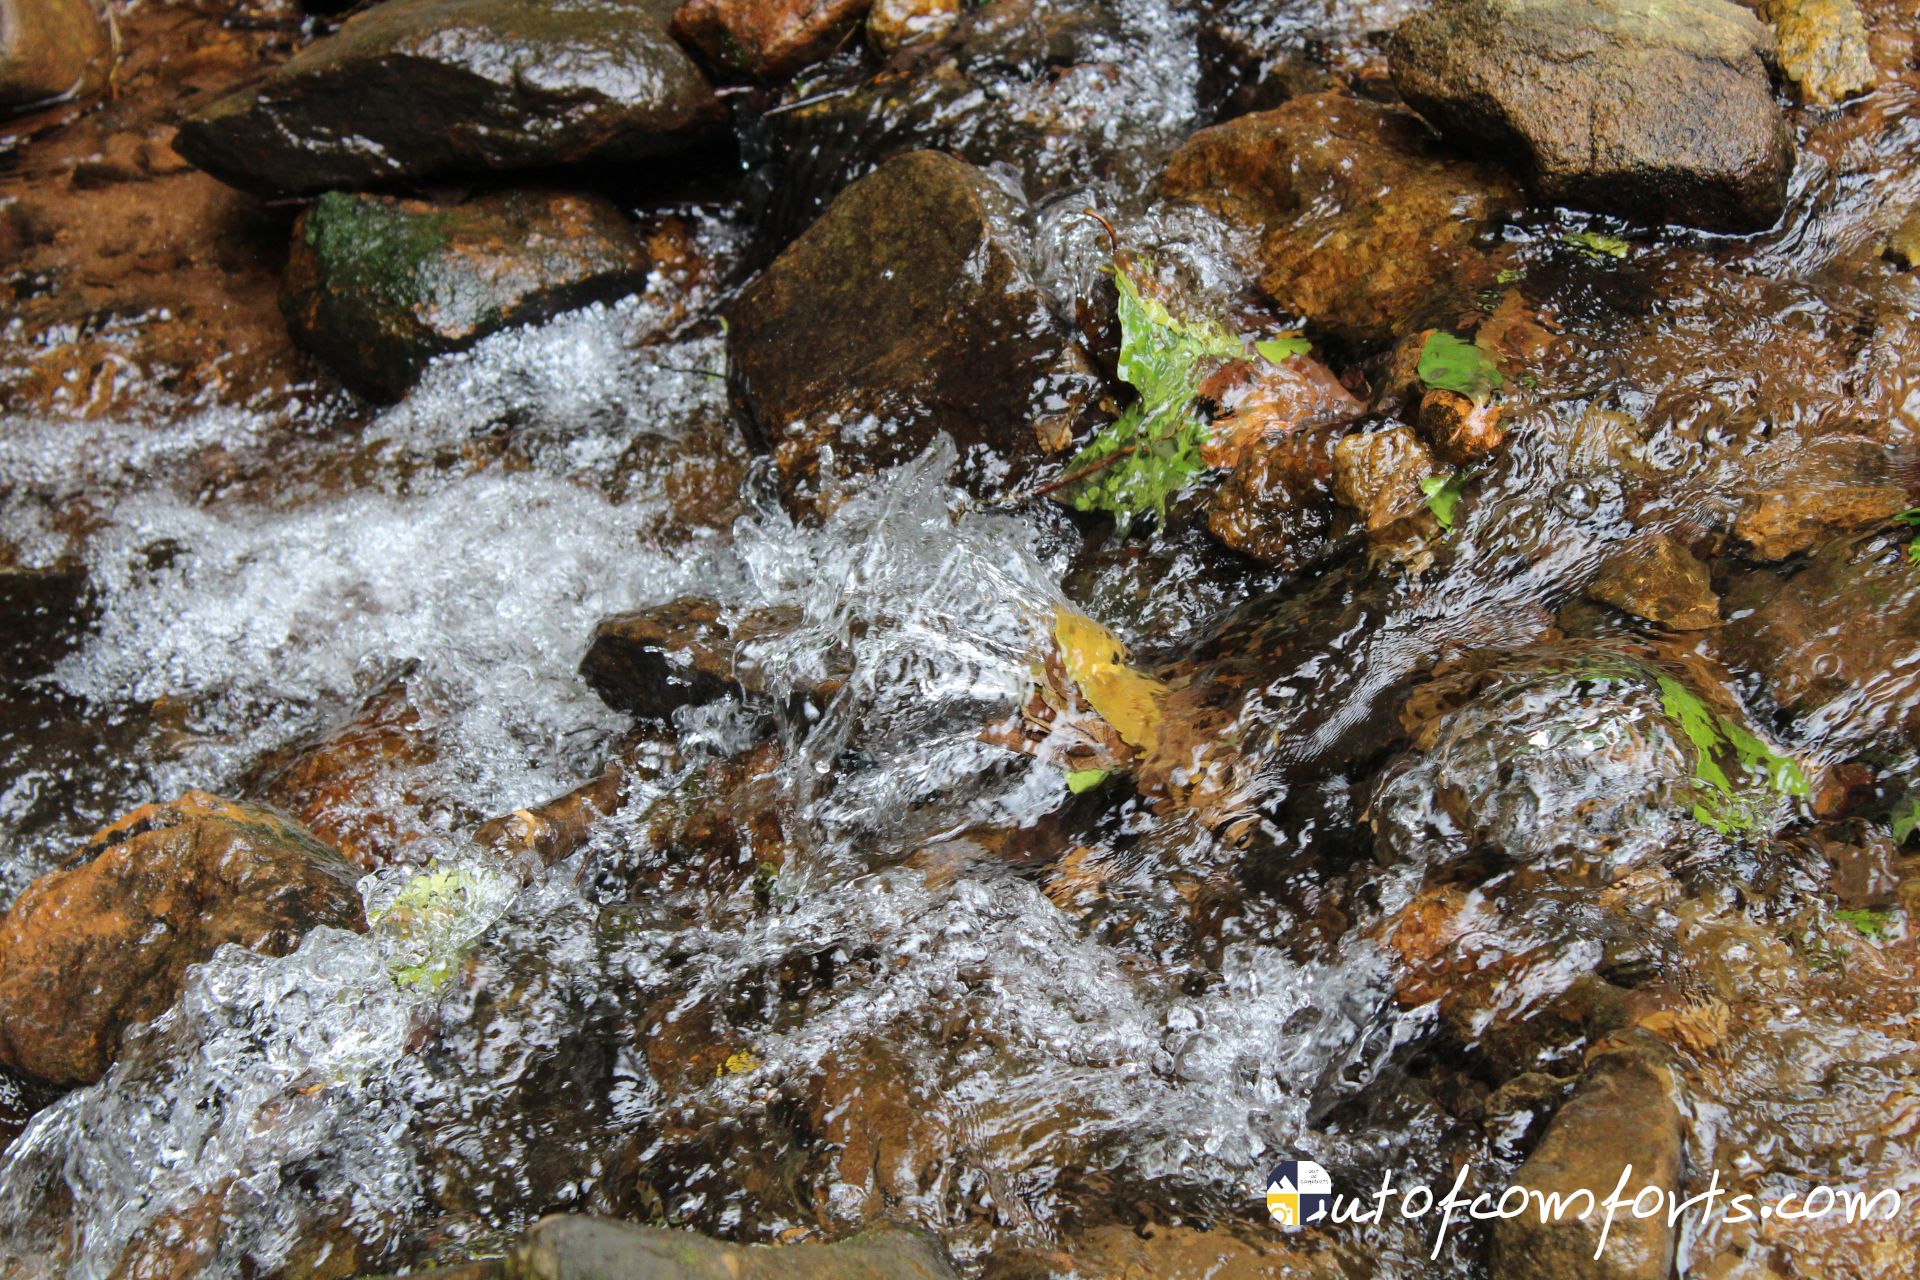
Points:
x=922 y=982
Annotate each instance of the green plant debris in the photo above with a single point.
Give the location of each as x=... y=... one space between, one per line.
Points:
x=1911 y=518
x=1595 y=246
x=1456 y=365
x=1510 y=275
x=1443 y=496
x=1155 y=445
x=1718 y=802
x=1083 y=780
x=1906 y=817
x=434 y=917
x=1283 y=347
x=1872 y=923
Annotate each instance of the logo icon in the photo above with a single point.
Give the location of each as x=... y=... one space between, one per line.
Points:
x=1298 y=1192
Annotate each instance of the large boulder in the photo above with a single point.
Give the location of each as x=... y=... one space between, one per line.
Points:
x=766 y=39
x=1656 y=111
x=50 y=49
x=415 y=88
x=106 y=941
x=1358 y=214
x=907 y=311
x=377 y=287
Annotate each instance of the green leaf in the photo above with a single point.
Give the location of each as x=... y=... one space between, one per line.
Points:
x=1592 y=244
x=1906 y=817
x=1456 y=365
x=1081 y=780
x=1282 y=348
x=1871 y=924
x=1509 y=275
x=1718 y=803
x=1157 y=441
x=1443 y=496
x=434 y=918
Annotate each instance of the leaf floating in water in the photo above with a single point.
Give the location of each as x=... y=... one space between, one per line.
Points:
x=1456 y=365
x=1153 y=450
x=1720 y=805
x=1097 y=663
x=1284 y=347
x=1870 y=923
x=1083 y=780
x=738 y=1063
x=1443 y=496
x=1595 y=246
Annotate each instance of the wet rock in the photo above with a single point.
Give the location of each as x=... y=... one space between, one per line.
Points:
x=416 y=88
x=905 y=312
x=1903 y=245
x=1359 y=216
x=553 y=830
x=1824 y=490
x=582 y=1248
x=1656 y=578
x=1831 y=641
x=892 y=24
x=1622 y=1113
x=766 y=39
x=377 y=287
x=1459 y=430
x=1655 y=112
x=889 y=1137
x=1255 y=54
x=105 y=941
x=1378 y=473
x=688 y=651
x=1277 y=504
x=1161 y=1252
x=50 y=49
x=42 y=613
x=1823 y=47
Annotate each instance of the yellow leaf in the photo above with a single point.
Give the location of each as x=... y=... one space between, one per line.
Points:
x=1097 y=662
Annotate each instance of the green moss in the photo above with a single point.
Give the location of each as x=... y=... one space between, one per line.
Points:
x=1871 y=923
x=366 y=244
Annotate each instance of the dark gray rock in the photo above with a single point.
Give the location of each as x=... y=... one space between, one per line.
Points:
x=416 y=88
x=1661 y=112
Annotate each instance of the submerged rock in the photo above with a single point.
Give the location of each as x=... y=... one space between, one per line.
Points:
x=49 y=50
x=892 y=24
x=1377 y=474
x=377 y=287
x=1622 y=1113
x=1823 y=47
x=1658 y=579
x=905 y=312
x=570 y=1247
x=42 y=614
x=416 y=88
x=1255 y=54
x=766 y=39
x=1659 y=112
x=1804 y=494
x=1359 y=216
x=653 y=661
x=106 y=941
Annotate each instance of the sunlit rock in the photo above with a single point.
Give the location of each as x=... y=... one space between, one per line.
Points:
x=49 y=50
x=1659 y=112
x=765 y=39
x=106 y=941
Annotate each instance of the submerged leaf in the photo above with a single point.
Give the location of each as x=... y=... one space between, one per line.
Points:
x=1870 y=923
x=1282 y=348
x=1456 y=365
x=1096 y=661
x=1718 y=803
x=1596 y=246
x=1443 y=496
x=1082 y=780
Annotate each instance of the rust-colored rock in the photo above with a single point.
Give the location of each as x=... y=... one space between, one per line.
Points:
x=1823 y=47
x=1277 y=504
x=106 y=941
x=894 y=23
x=1378 y=473
x=1655 y=577
x=766 y=39
x=1459 y=430
x=50 y=49
x=1359 y=214
x=1787 y=521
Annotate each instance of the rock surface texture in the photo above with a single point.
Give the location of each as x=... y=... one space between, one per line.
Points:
x=905 y=312
x=420 y=88
x=50 y=49
x=766 y=39
x=106 y=941
x=1656 y=111
x=377 y=287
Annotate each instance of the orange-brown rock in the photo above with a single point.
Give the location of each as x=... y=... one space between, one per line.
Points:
x=1359 y=214
x=106 y=941
x=1459 y=430
x=50 y=49
x=1655 y=577
x=1378 y=475
x=766 y=39
x=893 y=23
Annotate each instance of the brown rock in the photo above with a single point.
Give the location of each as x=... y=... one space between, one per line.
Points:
x=1277 y=504
x=1621 y=1113
x=1459 y=430
x=106 y=941
x=766 y=39
x=576 y=1247
x=49 y=50
x=378 y=287
x=1823 y=47
x=1655 y=577
x=886 y=1126
x=1359 y=214
x=1160 y=1252
x=1378 y=475
x=687 y=651
x=905 y=312
x=894 y=23
x=1778 y=523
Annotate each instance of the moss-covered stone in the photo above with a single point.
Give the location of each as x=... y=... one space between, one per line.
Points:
x=377 y=287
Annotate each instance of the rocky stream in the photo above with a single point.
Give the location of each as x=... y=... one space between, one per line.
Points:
x=903 y=639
